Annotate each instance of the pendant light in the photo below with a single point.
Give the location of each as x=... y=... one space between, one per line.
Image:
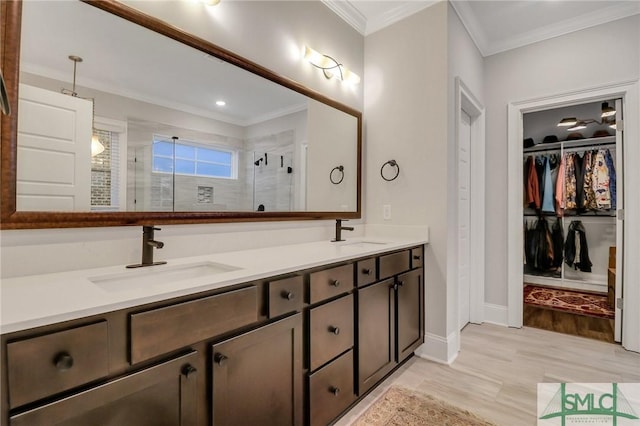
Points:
x=96 y=146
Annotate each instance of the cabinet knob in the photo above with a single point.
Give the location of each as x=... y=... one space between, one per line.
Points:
x=63 y=361
x=336 y=283
x=334 y=390
x=400 y=283
x=366 y=271
x=416 y=257
x=394 y=286
x=334 y=330
x=189 y=370
x=288 y=295
x=220 y=359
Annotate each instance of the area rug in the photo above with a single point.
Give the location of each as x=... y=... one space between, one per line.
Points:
x=403 y=407
x=568 y=301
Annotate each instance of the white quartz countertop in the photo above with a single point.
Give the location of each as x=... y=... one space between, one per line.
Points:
x=37 y=300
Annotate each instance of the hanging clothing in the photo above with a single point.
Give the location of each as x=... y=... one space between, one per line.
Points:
x=600 y=182
x=547 y=192
x=612 y=178
x=559 y=194
x=570 y=182
x=576 y=251
x=579 y=165
x=557 y=237
x=533 y=187
x=589 y=201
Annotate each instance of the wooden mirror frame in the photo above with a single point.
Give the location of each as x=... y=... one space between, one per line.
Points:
x=11 y=13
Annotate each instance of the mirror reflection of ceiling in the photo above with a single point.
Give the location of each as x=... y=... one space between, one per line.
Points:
x=102 y=40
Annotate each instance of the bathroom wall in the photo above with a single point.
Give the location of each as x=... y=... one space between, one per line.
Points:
x=406 y=120
x=271 y=33
x=596 y=56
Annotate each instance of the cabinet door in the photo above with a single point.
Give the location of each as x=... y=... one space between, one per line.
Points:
x=410 y=320
x=162 y=395
x=376 y=333
x=257 y=376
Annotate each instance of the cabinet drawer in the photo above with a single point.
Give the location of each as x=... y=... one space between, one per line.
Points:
x=330 y=282
x=417 y=258
x=392 y=264
x=165 y=329
x=331 y=390
x=331 y=330
x=45 y=365
x=366 y=271
x=285 y=296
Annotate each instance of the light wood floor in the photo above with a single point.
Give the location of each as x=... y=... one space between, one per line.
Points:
x=497 y=371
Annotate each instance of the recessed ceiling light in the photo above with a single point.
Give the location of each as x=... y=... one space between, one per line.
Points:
x=221 y=103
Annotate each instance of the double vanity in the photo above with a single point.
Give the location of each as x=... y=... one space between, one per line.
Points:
x=289 y=335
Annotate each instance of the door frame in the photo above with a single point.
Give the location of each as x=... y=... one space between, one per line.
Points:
x=466 y=101
x=628 y=91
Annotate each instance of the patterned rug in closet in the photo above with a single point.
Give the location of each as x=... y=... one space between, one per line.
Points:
x=568 y=301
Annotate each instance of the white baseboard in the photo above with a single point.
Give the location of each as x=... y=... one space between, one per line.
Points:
x=440 y=349
x=496 y=314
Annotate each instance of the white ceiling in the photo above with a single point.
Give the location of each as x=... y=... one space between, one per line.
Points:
x=495 y=26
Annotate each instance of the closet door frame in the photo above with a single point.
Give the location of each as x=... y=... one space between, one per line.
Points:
x=629 y=93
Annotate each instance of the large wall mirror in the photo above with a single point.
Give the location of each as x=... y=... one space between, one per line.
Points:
x=120 y=119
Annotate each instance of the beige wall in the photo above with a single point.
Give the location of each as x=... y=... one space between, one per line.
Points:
x=406 y=120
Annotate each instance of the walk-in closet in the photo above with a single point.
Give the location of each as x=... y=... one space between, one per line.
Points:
x=572 y=190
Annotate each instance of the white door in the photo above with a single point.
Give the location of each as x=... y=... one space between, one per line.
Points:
x=464 y=216
x=617 y=329
x=54 y=151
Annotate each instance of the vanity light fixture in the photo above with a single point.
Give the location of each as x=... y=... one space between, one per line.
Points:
x=210 y=2
x=96 y=146
x=330 y=67
x=221 y=103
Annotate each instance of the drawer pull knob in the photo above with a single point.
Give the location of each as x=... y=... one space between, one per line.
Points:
x=394 y=286
x=400 y=283
x=334 y=390
x=334 y=330
x=189 y=370
x=366 y=271
x=336 y=283
x=416 y=257
x=288 y=295
x=63 y=361
x=220 y=359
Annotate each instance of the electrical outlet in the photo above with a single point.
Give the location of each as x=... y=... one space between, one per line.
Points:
x=386 y=212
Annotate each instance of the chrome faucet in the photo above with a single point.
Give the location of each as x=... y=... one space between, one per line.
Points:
x=340 y=228
x=148 y=244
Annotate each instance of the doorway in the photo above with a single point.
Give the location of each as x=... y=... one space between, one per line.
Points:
x=469 y=226
x=628 y=92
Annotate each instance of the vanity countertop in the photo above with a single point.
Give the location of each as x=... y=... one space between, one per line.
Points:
x=37 y=300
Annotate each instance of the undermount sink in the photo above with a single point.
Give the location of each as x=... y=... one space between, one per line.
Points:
x=159 y=275
x=362 y=244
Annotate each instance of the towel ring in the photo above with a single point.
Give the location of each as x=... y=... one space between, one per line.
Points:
x=392 y=163
x=339 y=169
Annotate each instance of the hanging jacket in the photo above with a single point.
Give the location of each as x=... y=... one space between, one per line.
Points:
x=560 y=187
x=533 y=188
x=576 y=251
x=570 y=182
x=557 y=237
x=601 y=182
x=612 y=177
x=589 y=201
x=547 y=193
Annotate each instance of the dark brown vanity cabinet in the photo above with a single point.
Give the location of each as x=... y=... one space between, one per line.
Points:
x=257 y=376
x=390 y=318
x=294 y=349
x=161 y=395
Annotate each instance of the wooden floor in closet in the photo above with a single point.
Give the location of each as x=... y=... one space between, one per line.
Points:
x=568 y=323
x=497 y=371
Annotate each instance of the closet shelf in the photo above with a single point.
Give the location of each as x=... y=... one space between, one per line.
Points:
x=571 y=144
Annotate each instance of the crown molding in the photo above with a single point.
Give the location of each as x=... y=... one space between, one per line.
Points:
x=577 y=23
x=580 y=22
x=348 y=13
x=397 y=14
